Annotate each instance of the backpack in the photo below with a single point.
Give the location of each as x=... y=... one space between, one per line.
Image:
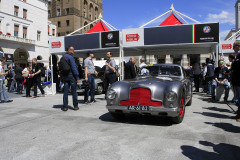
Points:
x=210 y=71
x=64 y=66
x=43 y=72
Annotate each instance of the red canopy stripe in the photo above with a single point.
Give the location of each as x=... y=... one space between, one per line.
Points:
x=171 y=20
x=99 y=27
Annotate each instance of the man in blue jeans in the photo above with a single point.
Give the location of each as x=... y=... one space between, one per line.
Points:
x=90 y=74
x=221 y=79
x=70 y=79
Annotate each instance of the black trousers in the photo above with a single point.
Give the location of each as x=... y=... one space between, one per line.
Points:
x=197 y=82
x=109 y=79
x=28 y=86
x=37 y=83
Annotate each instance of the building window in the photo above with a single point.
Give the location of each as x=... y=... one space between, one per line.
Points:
x=53 y=32
x=38 y=35
x=59 y=24
x=24 y=13
x=58 y=34
x=16 y=8
x=49 y=3
x=67 y=11
x=16 y=30
x=68 y=1
x=24 y=32
x=67 y=22
x=48 y=30
x=58 y=12
x=58 y=2
x=49 y=13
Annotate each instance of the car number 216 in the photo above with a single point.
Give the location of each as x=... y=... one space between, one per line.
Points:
x=138 y=108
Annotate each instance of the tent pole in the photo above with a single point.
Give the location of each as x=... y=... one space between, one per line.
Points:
x=155 y=19
x=217 y=55
x=52 y=73
x=180 y=17
x=187 y=17
x=84 y=26
x=109 y=24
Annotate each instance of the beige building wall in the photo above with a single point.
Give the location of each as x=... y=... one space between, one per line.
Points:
x=77 y=12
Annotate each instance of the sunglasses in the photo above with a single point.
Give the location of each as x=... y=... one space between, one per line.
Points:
x=221 y=62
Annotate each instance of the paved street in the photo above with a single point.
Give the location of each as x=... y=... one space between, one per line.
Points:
x=37 y=129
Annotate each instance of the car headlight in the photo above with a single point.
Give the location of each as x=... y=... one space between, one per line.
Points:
x=111 y=94
x=171 y=96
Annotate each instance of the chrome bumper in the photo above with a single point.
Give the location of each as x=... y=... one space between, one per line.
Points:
x=154 y=111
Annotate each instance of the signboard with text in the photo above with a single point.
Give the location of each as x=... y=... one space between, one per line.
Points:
x=206 y=33
x=56 y=45
x=133 y=37
x=110 y=39
x=226 y=46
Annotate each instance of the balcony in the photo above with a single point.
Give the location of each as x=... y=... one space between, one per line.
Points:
x=16 y=39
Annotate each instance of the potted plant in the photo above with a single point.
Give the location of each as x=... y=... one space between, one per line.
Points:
x=8 y=34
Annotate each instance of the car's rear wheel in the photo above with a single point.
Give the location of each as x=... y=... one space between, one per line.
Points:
x=180 y=116
x=117 y=116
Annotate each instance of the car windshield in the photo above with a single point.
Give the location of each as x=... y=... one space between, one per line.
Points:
x=160 y=70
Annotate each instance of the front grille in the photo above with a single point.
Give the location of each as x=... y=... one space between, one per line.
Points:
x=142 y=97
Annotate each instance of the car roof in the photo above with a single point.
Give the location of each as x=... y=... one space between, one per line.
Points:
x=166 y=64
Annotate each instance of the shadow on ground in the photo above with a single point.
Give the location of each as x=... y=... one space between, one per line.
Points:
x=218 y=109
x=222 y=151
x=138 y=120
x=214 y=115
x=226 y=127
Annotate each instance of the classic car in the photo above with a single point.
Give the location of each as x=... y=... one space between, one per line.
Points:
x=158 y=90
x=99 y=84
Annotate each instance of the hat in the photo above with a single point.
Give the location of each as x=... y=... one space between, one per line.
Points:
x=89 y=52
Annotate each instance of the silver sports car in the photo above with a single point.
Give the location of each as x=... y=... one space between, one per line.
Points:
x=158 y=90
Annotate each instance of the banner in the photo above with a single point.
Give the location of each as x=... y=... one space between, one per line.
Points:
x=83 y=41
x=110 y=39
x=56 y=45
x=133 y=37
x=168 y=35
x=206 y=33
x=226 y=46
x=9 y=57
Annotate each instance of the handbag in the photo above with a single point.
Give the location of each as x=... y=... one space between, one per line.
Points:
x=25 y=74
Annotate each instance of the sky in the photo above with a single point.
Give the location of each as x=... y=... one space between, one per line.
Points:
x=124 y=14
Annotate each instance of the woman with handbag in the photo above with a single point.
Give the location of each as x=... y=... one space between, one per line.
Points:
x=28 y=79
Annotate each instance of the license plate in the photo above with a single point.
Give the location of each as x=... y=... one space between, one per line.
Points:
x=138 y=108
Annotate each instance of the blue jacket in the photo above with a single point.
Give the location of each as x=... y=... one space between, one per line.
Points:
x=71 y=62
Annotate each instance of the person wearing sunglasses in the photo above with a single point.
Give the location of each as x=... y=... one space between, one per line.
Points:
x=221 y=79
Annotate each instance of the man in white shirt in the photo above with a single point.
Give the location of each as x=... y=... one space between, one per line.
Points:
x=3 y=90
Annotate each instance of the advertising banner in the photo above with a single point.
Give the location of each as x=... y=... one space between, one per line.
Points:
x=226 y=46
x=9 y=58
x=110 y=39
x=206 y=33
x=168 y=35
x=133 y=37
x=83 y=41
x=56 y=45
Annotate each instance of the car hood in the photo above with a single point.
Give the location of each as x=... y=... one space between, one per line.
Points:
x=159 y=86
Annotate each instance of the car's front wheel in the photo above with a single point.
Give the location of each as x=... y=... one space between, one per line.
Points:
x=180 y=116
x=100 y=89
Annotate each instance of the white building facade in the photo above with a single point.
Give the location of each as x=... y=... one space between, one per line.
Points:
x=25 y=29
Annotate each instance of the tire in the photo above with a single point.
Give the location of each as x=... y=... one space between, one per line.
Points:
x=180 y=116
x=99 y=89
x=117 y=116
x=189 y=102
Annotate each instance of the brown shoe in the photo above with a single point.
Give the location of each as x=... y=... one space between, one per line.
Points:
x=238 y=120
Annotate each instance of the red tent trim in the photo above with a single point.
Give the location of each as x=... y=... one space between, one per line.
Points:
x=99 y=27
x=171 y=20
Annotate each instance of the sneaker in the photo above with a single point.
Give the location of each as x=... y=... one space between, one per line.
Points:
x=34 y=96
x=93 y=101
x=64 y=109
x=86 y=102
x=76 y=108
x=8 y=101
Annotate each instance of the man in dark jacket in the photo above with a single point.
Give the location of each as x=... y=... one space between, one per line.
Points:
x=236 y=76
x=70 y=79
x=36 y=77
x=130 y=71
